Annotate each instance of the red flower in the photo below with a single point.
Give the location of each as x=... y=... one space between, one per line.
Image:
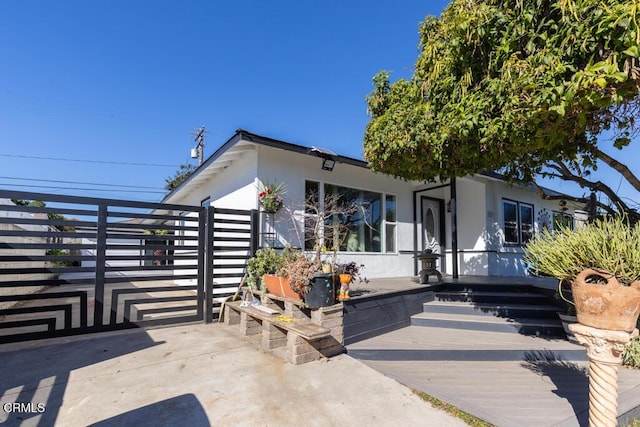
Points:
x=262 y=194
x=269 y=191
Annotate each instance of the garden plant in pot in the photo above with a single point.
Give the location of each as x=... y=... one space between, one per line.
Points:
x=265 y=261
x=349 y=273
x=602 y=262
x=264 y=270
x=291 y=274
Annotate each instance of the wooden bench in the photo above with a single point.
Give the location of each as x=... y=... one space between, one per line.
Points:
x=297 y=340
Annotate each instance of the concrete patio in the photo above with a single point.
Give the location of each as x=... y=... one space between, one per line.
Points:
x=195 y=375
x=202 y=375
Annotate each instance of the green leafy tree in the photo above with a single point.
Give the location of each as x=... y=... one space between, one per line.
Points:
x=34 y=203
x=520 y=87
x=179 y=177
x=41 y=204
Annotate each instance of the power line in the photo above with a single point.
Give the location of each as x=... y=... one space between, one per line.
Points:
x=79 y=188
x=60 y=159
x=77 y=182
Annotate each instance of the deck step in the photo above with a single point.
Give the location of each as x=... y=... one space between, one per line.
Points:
x=537 y=327
x=537 y=311
x=492 y=297
x=415 y=343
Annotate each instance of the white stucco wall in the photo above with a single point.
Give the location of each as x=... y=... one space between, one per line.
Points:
x=294 y=169
x=234 y=187
x=471 y=220
x=481 y=247
x=505 y=259
x=479 y=207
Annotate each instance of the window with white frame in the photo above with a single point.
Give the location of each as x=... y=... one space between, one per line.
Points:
x=371 y=228
x=517 y=222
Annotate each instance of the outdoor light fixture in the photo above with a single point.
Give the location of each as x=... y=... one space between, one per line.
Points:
x=328 y=157
x=328 y=164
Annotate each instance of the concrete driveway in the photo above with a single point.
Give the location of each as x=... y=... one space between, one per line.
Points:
x=195 y=375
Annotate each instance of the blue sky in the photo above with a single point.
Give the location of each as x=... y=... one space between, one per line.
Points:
x=128 y=81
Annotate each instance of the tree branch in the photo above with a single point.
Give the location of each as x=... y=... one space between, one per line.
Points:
x=567 y=175
x=620 y=167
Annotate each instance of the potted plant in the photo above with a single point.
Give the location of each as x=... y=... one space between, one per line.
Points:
x=348 y=273
x=300 y=271
x=602 y=262
x=270 y=195
x=298 y=278
x=354 y=270
x=265 y=261
x=264 y=271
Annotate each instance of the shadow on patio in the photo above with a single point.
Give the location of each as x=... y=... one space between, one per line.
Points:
x=39 y=373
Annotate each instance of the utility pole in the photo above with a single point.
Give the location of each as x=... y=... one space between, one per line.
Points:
x=199 y=149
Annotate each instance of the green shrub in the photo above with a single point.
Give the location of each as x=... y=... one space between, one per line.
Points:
x=265 y=261
x=59 y=252
x=631 y=356
x=610 y=244
x=268 y=261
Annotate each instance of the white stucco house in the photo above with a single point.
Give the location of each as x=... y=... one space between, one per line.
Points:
x=403 y=218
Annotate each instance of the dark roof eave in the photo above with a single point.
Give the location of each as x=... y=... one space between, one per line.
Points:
x=283 y=145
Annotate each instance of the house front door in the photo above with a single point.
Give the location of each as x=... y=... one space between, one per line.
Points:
x=432 y=226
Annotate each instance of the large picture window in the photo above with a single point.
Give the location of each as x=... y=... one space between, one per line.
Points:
x=517 y=222
x=370 y=228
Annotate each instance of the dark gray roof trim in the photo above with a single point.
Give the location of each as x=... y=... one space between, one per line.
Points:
x=270 y=142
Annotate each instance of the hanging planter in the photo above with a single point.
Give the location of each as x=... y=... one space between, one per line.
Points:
x=270 y=196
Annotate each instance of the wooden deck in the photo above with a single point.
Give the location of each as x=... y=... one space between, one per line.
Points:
x=507 y=379
x=396 y=284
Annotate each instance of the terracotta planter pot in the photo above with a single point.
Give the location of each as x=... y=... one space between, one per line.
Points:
x=280 y=286
x=608 y=306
